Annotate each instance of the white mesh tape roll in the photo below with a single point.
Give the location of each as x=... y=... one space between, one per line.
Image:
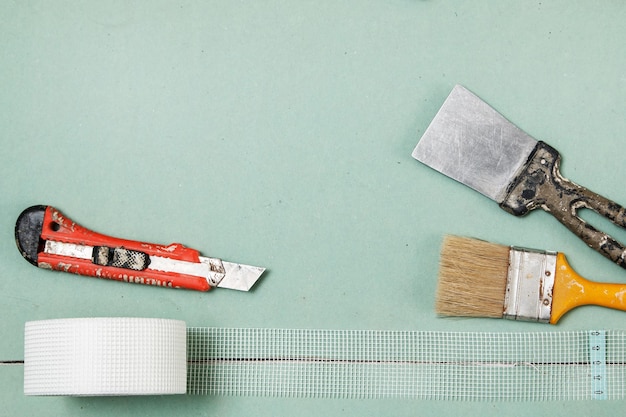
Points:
x=124 y=356
x=105 y=356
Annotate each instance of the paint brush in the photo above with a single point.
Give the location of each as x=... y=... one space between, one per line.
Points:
x=484 y=279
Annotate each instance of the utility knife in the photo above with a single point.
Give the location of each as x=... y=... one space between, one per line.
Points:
x=50 y=240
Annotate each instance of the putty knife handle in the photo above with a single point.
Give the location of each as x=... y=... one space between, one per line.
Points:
x=542 y=185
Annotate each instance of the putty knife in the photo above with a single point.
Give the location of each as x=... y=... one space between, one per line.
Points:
x=472 y=143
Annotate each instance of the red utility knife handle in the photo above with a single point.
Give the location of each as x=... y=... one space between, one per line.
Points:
x=39 y=224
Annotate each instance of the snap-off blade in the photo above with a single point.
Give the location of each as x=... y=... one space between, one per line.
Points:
x=240 y=277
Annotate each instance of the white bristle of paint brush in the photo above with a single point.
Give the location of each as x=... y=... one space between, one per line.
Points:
x=472 y=278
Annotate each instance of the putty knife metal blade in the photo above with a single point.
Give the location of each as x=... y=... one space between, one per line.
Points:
x=472 y=143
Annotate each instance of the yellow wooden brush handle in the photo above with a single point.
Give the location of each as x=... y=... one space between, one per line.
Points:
x=571 y=290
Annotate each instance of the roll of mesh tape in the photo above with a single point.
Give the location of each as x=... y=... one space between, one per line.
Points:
x=105 y=356
x=122 y=356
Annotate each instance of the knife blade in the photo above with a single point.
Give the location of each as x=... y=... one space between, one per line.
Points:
x=472 y=143
x=50 y=240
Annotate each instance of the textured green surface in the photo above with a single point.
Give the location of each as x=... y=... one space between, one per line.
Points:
x=279 y=134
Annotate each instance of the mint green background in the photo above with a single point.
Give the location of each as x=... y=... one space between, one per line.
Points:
x=279 y=133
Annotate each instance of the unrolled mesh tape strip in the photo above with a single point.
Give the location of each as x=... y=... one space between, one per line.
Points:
x=130 y=356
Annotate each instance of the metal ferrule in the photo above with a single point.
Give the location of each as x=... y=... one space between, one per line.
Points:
x=529 y=286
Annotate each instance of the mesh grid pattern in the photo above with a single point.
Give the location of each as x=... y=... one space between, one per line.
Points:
x=425 y=365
